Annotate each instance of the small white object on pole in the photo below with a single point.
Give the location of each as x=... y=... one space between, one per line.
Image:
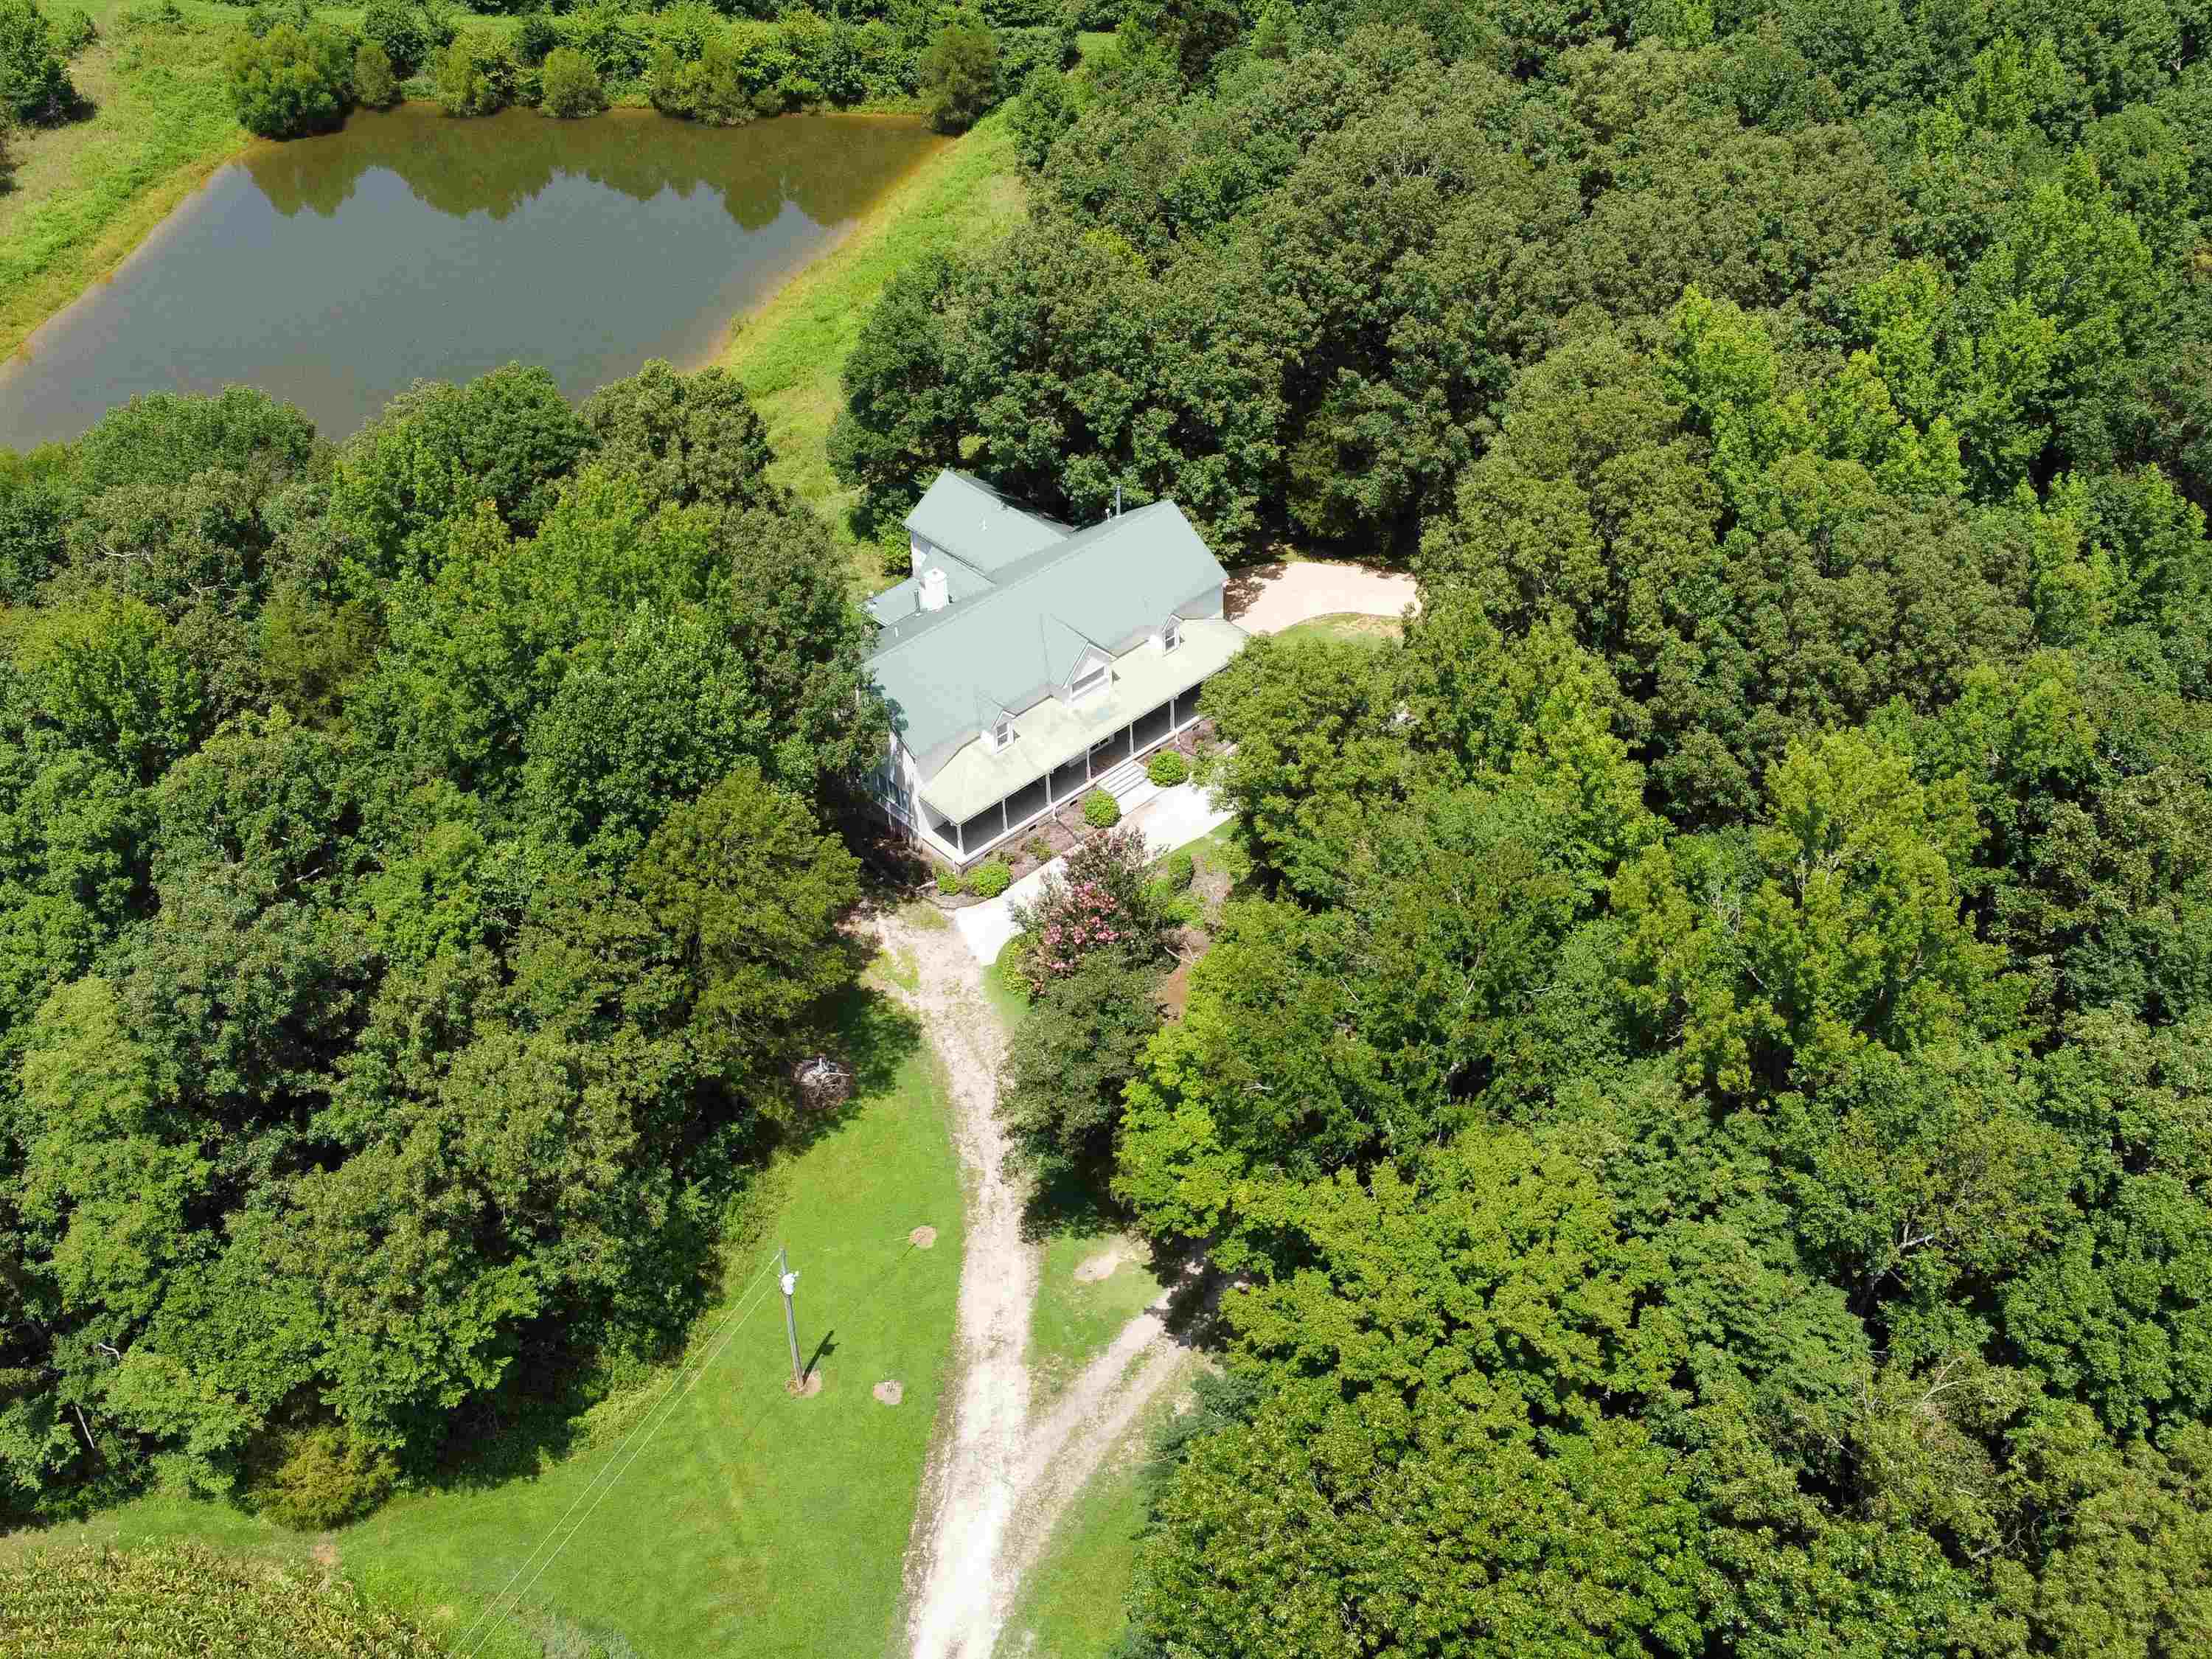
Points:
x=790 y=1321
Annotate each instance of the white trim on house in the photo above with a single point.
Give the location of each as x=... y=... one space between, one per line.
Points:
x=917 y=822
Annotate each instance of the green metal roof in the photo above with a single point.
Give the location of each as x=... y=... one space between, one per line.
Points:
x=974 y=522
x=1013 y=644
x=1051 y=732
x=962 y=582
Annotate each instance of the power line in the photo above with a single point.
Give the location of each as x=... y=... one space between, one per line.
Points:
x=729 y=1328
x=728 y=1323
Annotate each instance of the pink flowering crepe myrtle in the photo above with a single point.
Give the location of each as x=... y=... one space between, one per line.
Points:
x=1100 y=901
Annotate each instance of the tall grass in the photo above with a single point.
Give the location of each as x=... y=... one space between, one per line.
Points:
x=83 y=195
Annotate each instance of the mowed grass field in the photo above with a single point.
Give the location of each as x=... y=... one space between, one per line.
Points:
x=736 y=1520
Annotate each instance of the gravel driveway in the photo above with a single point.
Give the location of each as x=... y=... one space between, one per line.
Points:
x=1268 y=599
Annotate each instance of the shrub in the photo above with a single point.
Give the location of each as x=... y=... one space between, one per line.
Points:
x=75 y=32
x=1023 y=54
x=803 y=39
x=950 y=882
x=296 y=14
x=717 y=89
x=1041 y=114
x=1168 y=769
x=610 y=38
x=1179 y=871
x=571 y=85
x=687 y=25
x=475 y=76
x=833 y=60
x=402 y=31
x=1038 y=849
x=535 y=39
x=1104 y=899
x=1012 y=966
x=35 y=88
x=990 y=880
x=374 y=85
x=959 y=75
x=291 y=81
x=321 y=1477
x=667 y=88
x=1101 y=810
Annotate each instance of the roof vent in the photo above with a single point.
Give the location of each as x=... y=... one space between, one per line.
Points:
x=936 y=592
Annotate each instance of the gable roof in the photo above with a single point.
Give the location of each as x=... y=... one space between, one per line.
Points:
x=968 y=518
x=1014 y=644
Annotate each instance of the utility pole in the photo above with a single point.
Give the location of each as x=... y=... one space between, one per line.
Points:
x=790 y=1323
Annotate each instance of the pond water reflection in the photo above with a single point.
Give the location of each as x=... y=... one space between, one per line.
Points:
x=333 y=272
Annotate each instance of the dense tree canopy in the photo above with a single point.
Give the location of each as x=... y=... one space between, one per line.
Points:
x=415 y=892
x=1699 y=1091
x=1703 y=1087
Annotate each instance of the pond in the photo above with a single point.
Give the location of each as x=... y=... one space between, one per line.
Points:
x=333 y=272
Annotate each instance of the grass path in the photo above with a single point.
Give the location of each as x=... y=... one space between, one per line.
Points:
x=791 y=352
x=749 y=1523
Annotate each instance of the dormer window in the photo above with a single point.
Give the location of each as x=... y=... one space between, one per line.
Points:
x=1084 y=684
x=1170 y=633
x=1002 y=733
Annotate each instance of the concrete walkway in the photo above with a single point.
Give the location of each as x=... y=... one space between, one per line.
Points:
x=1293 y=593
x=1170 y=819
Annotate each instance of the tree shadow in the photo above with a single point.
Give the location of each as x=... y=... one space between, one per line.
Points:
x=890 y=867
x=1245 y=585
x=870 y=1036
x=533 y=1421
x=1074 y=1202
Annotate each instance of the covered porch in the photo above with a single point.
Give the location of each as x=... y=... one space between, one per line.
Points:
x=962 y=841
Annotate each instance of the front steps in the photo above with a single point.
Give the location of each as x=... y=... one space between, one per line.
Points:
x=1127 y=784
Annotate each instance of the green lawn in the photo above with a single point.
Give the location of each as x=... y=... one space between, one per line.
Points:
x=1348 y=625
x=748 y=1522
x=1073 y=1321
x=1072 y=1605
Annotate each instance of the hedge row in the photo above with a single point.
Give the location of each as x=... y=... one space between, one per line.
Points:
x=291 y=75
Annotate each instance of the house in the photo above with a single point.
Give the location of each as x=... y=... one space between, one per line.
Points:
x=1024 y=661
